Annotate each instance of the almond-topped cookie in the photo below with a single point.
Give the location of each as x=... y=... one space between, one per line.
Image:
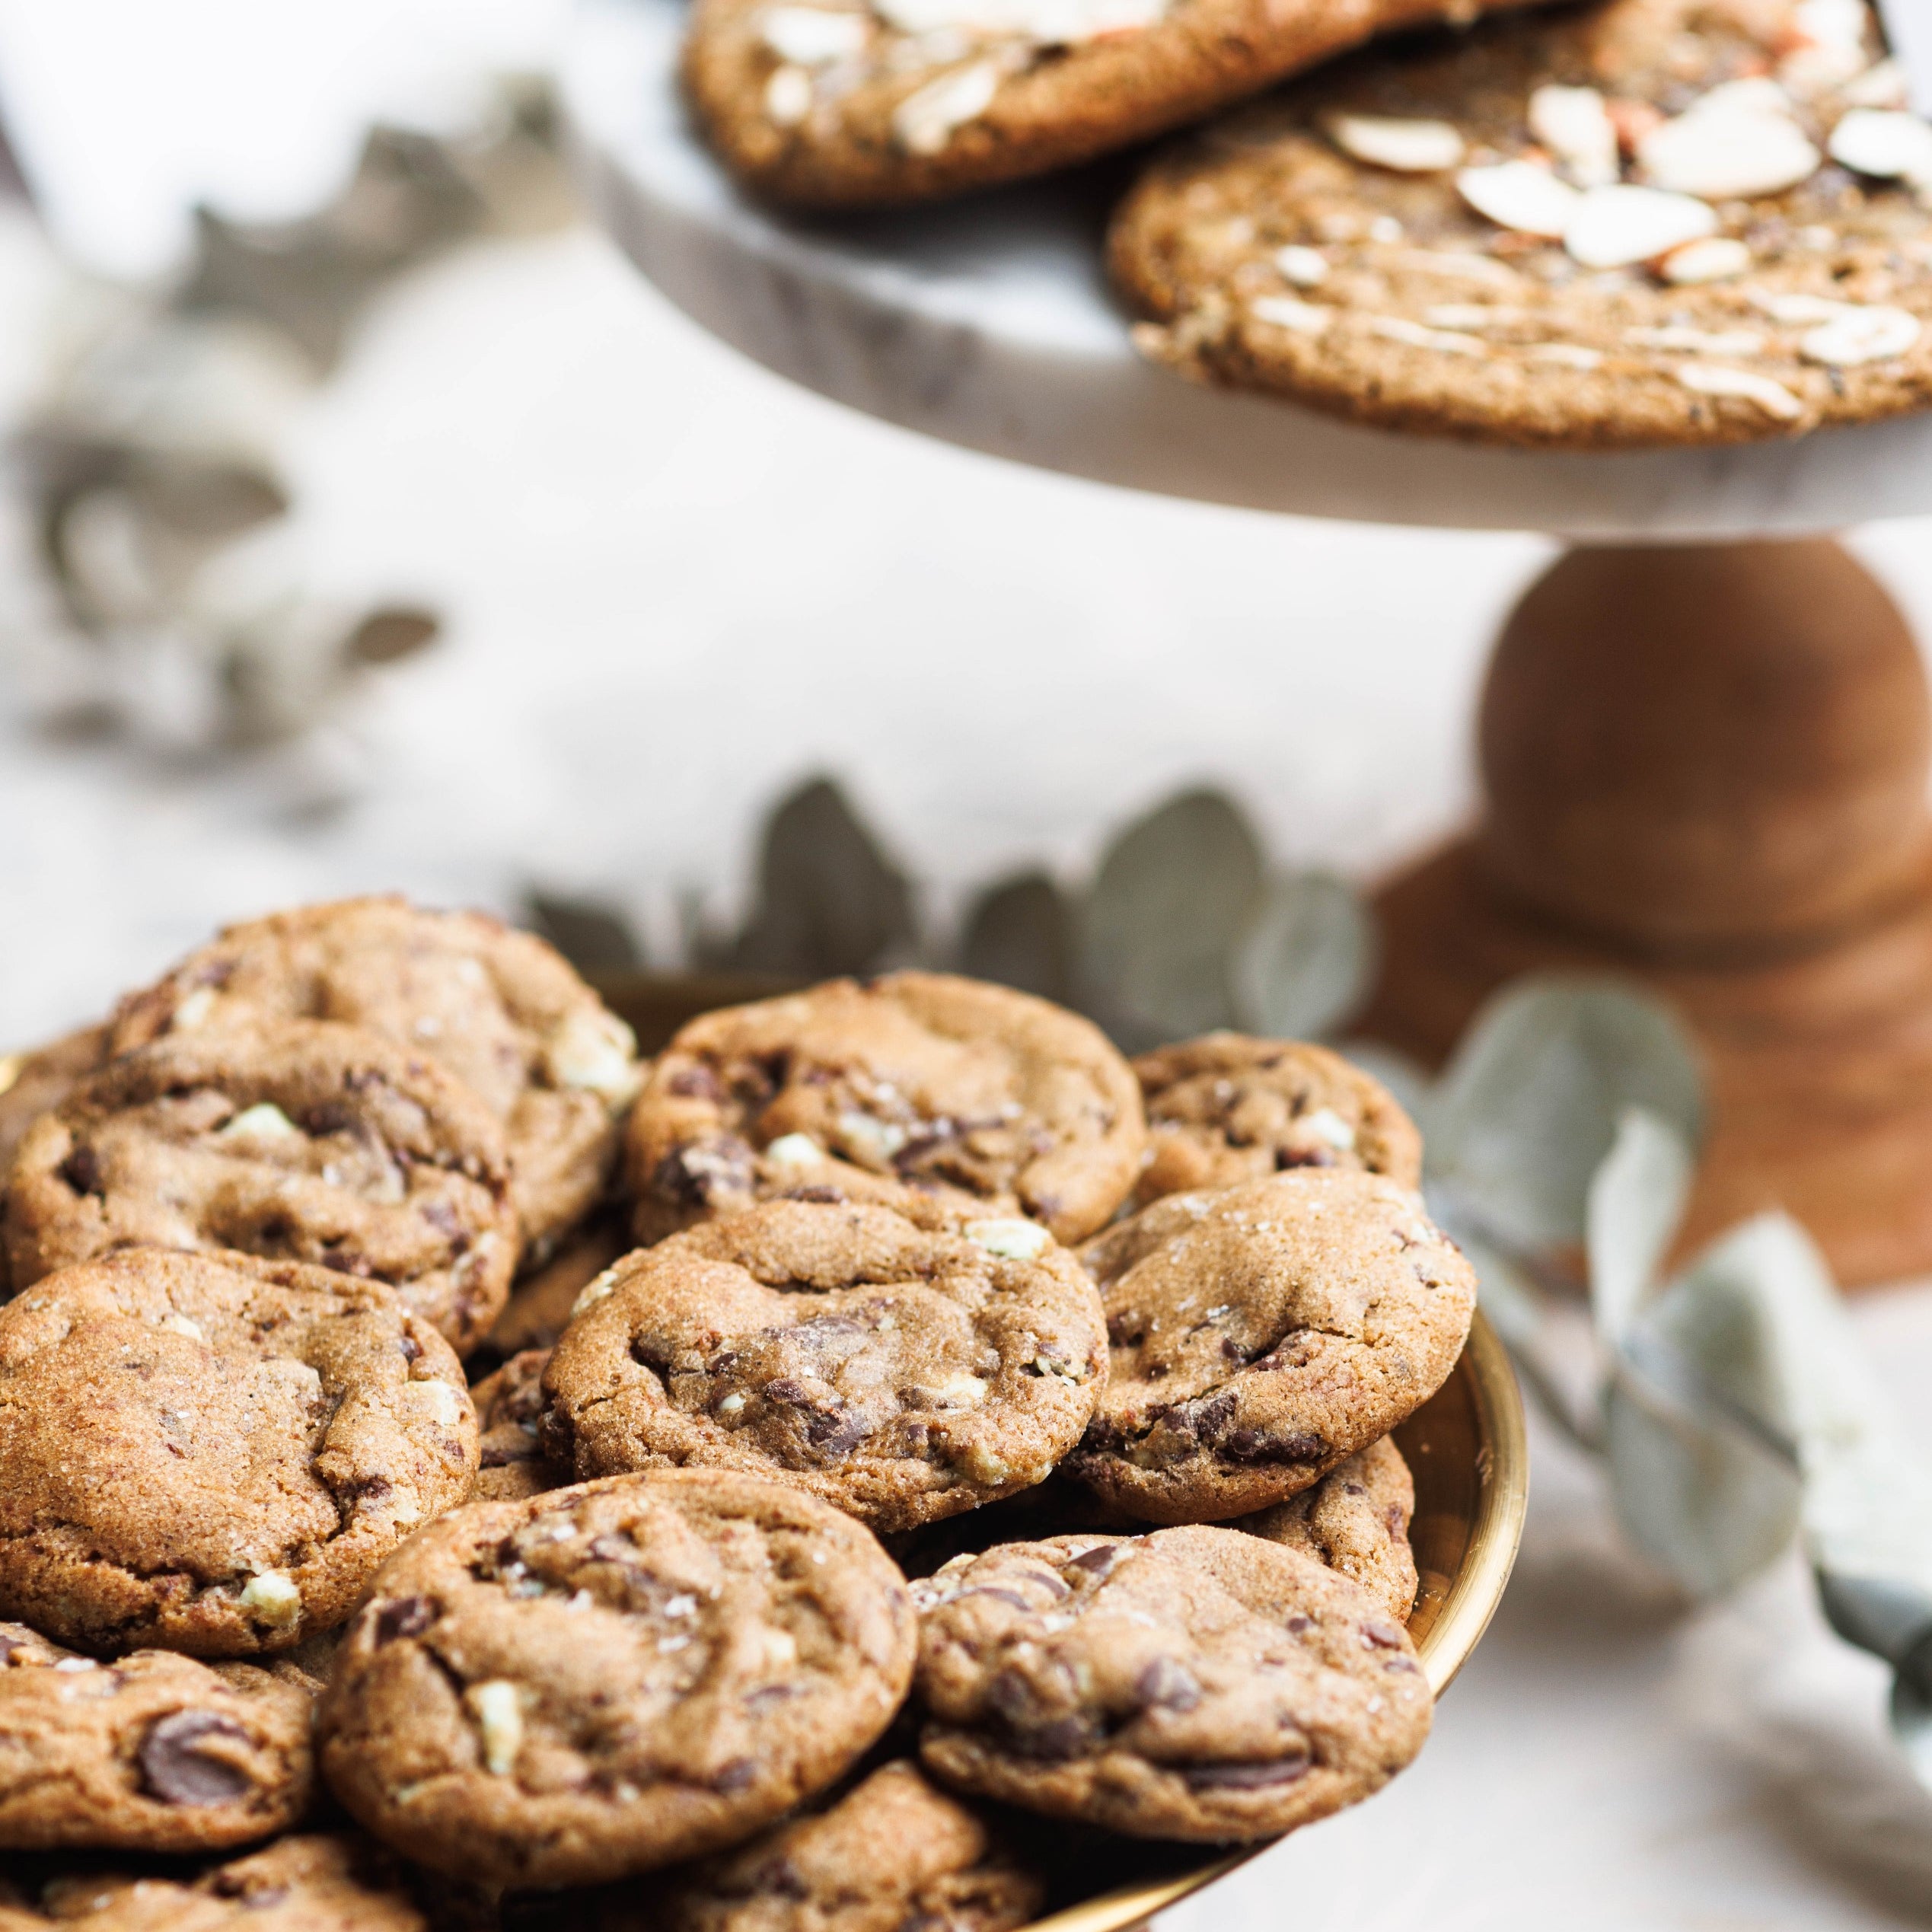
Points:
x=503 y=1012
x=614 y=1676
x=855 y=105
x=1260 y=1334
x=1641 y=223
x=1193 y=1683
x=1356 y=1520
x=212 y=1454
x=1229 y=1108
x=916 y=1086
x=903 y=1372
x=308 y=1142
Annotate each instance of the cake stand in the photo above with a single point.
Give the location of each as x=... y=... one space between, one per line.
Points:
x=1705 y=753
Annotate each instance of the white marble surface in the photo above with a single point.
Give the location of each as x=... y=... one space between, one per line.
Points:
x=988 y=324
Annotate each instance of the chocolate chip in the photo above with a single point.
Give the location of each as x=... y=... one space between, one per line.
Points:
x=495 y=1455
x=1248 y=1776
x=1253 y=1446
x=174 y=1766
x=410 y=1347
x=1010 y=1696
x=345 y=1260
x=825 y=1196
x=81 y=1171
x=442 y=1217
x=1202 y=1420
x=768 y=1694
x=736 y=1776
x=405 y=1616
x=1286 y=1157
x=697 y=1083
x=1065 y=1737
x=706 y=1171
x=1382 y=1636
x=1126 y=1330
x=782 y=1876
x=1098 y=1561
x=1298 y=1623
x=785 y=1390
x=1003 y=1596
x=1169 y=1684
x=331 y=1116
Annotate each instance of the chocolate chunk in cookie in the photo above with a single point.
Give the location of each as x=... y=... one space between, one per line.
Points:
x=317 y=1883
x=1227 y=1108
x=614 y=1676
x=154 y=1753
x=311 y=1143
x=902 y=1372
x=1356 y=1520
x=510 y=1406
x=918 y=1084
x=42 y=1079
x=1644 y=223
x=1261 y=1334
x=501 y=1010
x=855 y=105
x=213 y=1455
x=893 y=1853
x=1193 y=1683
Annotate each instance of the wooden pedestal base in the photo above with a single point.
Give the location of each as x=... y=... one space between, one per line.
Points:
x=1706 y=769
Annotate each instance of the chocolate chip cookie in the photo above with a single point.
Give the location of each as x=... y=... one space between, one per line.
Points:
x=1194 y=1684
x=902 y=1372
x=500 y=1009
x=846 y=105
x=1227 y=1107
x=919 y=1084
x=1261 y=1334
x=311 y=1142
x=509 y=1405
x=538 y=1310
x=154 y=1753
x=213 y=1454
x=894 y=1852
x=44 y=1078
x=334 y=1883
x=1643 y=223
x=1356 y=1520
x=614 y=1676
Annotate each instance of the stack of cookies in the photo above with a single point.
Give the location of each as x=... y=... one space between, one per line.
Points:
x=451 y=1473
x=1634 y=223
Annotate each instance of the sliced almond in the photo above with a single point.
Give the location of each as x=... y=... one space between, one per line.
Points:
x=1520 y=195
x=925 y=121
x=1887 y=144
x=1404 y=147
x=1716 y=258
x=1567 y=355
x=1864 y=332
x=1712 y=379
x=1575 y=125
x=1445 y=342
x=1882 y=85
x=1731 y=145
x=1697 y=342
x=788 y=96
x=1795 y=308
x=1285 y=312
x=1616 y=226
x=812 y=37
x=1304 y=267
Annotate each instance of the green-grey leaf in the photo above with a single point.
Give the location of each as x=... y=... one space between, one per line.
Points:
x=1635 y=1204
x=1020 y=933
x=1303 y=964
x=1529 y=1105
x=1160 y=925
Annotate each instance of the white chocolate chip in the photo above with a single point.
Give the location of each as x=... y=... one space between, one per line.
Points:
x=74 y=1665
x=1520 y=195
x=788 y=96
x=778 y=1649
x=731 y=1404
x=1404 y=147
x=795 y=1150
x=1795 y=308
x=1707 y=379
x=1301 y=267
x=1575 y=125
x=441 y=1402
x=1865 y=332
x=1326 y=1124
x=983 y=1465
x=958 y=1391
x=1716 y=258
x=263 y=1121
x=1738 y=141
x=1011 y=1240
x=604 y=1286
x=271 y=1597
x=868 y=1136
x=812 y=37
x=1890 y=146
x=593 y=1052
x=1697 y=342
x=1565 y=355
x=193 y=1011
x=1445 y=342
x=499 y=1709
x=182 y=1324
x=1285 y=312
x=1386 y=228
x=1618 y=225
x=925 y=121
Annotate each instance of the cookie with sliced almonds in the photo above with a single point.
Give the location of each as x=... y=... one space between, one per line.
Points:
x=212 y=1454
x=903 y=1369
x=1229 y=1108
x=504 y=1013
x=613 y=1677
x=1639 y=223
x=916 y=1087
x=154 y=1752
x=1260 y=1334
x=1356 y=1520
x=1194 y=1684
x=307 y=1142
x=857 y=105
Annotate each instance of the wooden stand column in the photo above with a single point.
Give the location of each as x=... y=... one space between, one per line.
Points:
x=1706 y=767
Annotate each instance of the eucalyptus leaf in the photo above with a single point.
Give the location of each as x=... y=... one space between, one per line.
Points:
x=1634 y=1205
x=1529 y=1106
x=1173 y=894
x=1304 y=964
x=1020 y=933
x=829 y=900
